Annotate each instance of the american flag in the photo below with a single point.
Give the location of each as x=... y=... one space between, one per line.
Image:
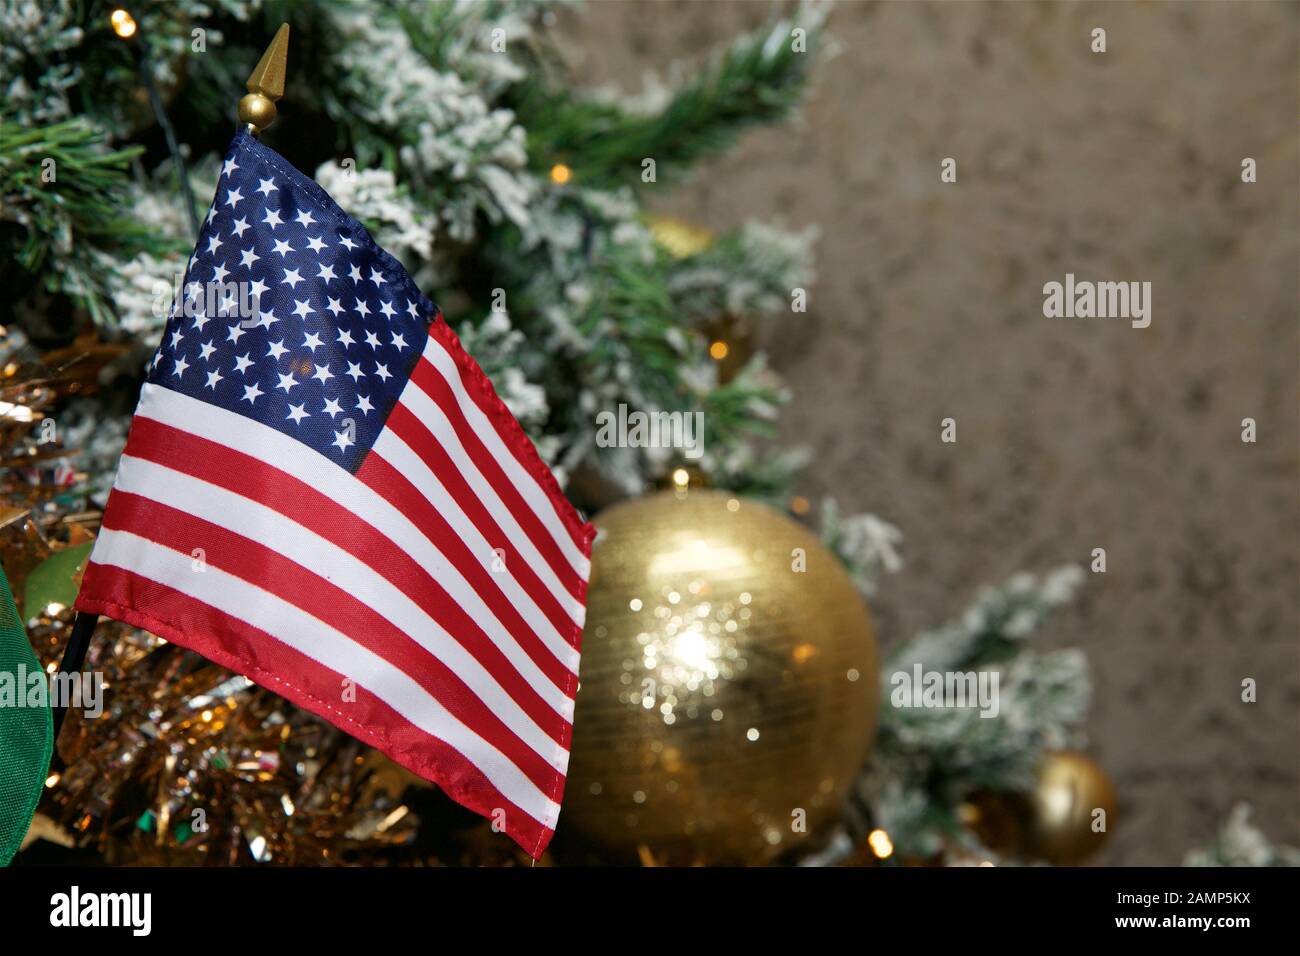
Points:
x=325 y=493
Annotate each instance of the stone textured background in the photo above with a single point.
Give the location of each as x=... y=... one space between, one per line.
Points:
x=1072 y=434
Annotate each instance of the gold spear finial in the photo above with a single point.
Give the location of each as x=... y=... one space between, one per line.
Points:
x=266 y=84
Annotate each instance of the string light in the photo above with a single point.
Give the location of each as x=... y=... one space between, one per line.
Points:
x=561 y=174
x=880 y=844
x=123 y=23
x=681 y=477
x=719 y=350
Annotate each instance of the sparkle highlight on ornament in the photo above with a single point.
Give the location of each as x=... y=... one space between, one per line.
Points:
x=691 y=649
x=697 y=553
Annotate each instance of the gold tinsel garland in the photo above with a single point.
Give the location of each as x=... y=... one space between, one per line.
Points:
x=191 y=763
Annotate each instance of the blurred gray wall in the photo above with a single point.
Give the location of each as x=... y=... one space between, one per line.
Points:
x=1072 y=433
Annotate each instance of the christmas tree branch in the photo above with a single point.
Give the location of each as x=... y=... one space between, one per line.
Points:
x=758 y=79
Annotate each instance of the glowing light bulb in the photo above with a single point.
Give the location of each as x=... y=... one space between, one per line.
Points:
x=123 y=23
x=880 y=844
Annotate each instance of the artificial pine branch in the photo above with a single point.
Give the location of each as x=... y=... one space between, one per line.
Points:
x=926 y=761
x=61 y=228
x=758 y=79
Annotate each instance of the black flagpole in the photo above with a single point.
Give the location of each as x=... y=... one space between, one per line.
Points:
x=74 y=656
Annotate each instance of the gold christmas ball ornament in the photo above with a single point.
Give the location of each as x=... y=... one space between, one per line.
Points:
x=1072 y=808
x=729 y=685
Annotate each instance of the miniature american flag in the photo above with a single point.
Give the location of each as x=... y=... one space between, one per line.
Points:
x=326 y=494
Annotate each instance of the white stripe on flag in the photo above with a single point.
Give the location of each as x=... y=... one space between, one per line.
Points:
x=533 y=493
x=316 y=639
x=431 y=415
x=398 y=454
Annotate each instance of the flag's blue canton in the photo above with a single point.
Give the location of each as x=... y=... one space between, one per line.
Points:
x=338 y=324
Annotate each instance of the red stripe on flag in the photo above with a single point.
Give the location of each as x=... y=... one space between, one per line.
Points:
x=300 y=502
x=479 y=388
x=387 y=482
x=431 y=382
x=271 y=571
x=237 y=645
x=408 y=499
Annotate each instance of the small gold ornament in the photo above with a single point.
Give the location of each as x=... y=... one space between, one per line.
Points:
x=1072 y=808
x=679 y=238
x=729 y=685
x=1055 y=821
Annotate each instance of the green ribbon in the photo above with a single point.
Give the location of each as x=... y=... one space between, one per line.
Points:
x=26 y=732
